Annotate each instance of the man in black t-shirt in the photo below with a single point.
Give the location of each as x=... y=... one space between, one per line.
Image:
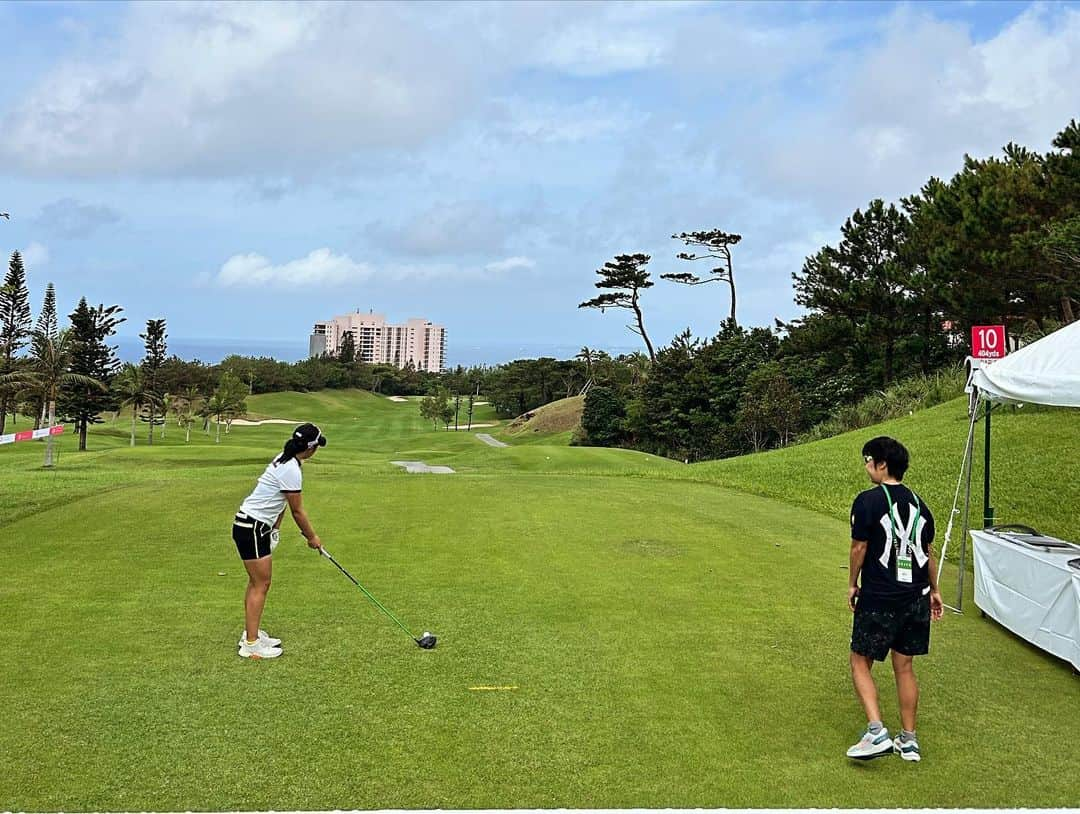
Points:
x=893 y=592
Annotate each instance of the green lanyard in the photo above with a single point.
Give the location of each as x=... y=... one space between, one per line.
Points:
x=892 y=523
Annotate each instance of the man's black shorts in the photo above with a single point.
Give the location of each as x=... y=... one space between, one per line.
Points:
x=252 y=537
x=904 y=628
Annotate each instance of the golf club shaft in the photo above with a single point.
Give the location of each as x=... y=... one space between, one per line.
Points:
x=378 y=604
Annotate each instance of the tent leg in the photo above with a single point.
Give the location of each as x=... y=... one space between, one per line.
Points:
x=988 y=510
x=967 y=523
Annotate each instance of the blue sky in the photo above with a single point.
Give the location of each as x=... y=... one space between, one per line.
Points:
x=245 y=170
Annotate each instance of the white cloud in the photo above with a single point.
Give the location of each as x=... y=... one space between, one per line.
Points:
x=907 y=104
x=510 y=264
x=459 y=227
x=230 y=89
x=601 y=39
x=735 y=53
x=323 y=269
x=35 y=255
x=320 y=269
x=596 y=50
x=240 y=89
x=565 y=123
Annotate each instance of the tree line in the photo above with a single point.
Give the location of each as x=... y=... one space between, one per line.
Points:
x=896 y=297
x=999 y=242
x=72 y=374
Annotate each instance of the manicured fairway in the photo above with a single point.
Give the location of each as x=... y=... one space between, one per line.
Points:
x=672 y=642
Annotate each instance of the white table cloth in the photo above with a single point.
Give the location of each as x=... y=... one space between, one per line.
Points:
x=1032 y=592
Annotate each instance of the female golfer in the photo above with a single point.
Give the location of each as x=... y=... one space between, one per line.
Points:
x=255 y=532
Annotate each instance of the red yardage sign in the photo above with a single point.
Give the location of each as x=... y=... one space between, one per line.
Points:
x=988 y=341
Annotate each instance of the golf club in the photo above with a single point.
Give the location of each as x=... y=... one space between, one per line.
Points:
x=427 y=641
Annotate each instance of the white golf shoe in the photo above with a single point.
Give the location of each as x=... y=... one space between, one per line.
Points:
x=908 y=750
x=259 y=650
x=871 y=746
x=263 y=637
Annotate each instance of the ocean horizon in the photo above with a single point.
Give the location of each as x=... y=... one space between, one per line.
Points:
x=212 y=351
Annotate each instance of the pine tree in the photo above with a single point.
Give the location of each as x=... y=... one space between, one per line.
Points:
x=717 y=245
x=47 y=326
x=46 y=322
x=625 y=274
x=867 y=279
x=14 y=323
x=154 y=342
x=92 y=357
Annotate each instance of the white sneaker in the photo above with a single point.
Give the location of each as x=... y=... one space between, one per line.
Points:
x=259 y=650
x=871 y=746
x=263 y=637
x=908 y=750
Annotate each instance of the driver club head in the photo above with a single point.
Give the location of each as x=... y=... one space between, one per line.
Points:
x=427 y=641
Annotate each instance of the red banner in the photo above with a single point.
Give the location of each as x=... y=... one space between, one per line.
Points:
x=31 y=435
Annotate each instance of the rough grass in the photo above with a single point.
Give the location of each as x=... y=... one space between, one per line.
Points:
x=1033 y=478
x=902 y=398
x=561 y=416
x=660 y=623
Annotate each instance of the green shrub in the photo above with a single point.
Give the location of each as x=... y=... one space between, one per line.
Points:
x=899 y=399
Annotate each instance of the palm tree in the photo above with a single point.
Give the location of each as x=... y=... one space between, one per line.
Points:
x=232 y=393
x=638 y=364
x=586 y=355
x=185 y=410
x=131 y=386
x=217 y=406
x=50 y=360
x=167 y=403
x=17 y=384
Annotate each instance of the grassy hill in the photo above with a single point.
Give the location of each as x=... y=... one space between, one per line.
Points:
x=553 y=423
x=675 y=635
x=1032 y=480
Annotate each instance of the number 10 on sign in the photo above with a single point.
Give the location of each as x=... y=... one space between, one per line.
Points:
x=988 y=341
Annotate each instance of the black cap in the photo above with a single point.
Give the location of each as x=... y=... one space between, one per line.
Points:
x=310 y=435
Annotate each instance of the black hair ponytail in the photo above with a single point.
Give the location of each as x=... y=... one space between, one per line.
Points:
x=292 y=446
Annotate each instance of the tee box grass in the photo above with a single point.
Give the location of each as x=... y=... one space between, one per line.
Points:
x=661 y=634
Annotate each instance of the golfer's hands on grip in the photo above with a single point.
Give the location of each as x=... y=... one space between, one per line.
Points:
x=852 y=594
x=314 y=542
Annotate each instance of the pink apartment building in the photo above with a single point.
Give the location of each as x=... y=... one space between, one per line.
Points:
x=418 y=341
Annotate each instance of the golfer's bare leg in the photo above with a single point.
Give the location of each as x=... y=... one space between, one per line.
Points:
x=255 y=596
x=865 y=687
x=907 y=689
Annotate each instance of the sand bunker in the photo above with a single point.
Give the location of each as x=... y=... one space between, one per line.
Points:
x=243 y=422
x=415 y=467
x=487 y=439
x=396 y=398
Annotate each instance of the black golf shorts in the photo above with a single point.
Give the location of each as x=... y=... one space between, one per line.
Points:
x=252 y=537
x=904 y=628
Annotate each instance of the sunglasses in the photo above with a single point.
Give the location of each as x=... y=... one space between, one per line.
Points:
x=868 y=458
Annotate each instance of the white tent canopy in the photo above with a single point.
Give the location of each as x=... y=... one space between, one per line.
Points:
x=1030 y=584
x=1044 y=372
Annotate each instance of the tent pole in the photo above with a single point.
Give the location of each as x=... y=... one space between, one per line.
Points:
x=988 y=510
x=970 y=455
